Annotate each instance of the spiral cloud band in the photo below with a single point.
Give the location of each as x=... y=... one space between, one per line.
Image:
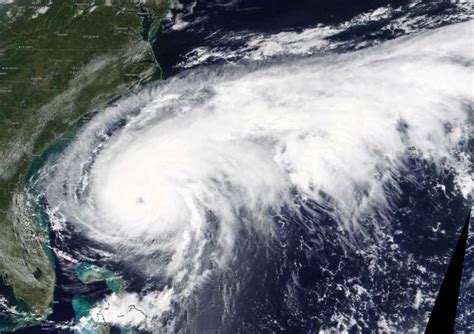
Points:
x=169 y=180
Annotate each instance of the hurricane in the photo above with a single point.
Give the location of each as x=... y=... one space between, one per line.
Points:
x=216 y=192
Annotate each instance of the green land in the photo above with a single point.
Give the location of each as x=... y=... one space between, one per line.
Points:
x=89 y=273
x=59 y=60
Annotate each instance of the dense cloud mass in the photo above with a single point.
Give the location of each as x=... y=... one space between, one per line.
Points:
x=169 y=181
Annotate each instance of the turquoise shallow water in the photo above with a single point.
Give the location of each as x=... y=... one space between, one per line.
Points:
x=89 y=274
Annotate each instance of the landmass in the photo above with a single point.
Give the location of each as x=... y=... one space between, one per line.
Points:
x=89 y=273
x=59 y=60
